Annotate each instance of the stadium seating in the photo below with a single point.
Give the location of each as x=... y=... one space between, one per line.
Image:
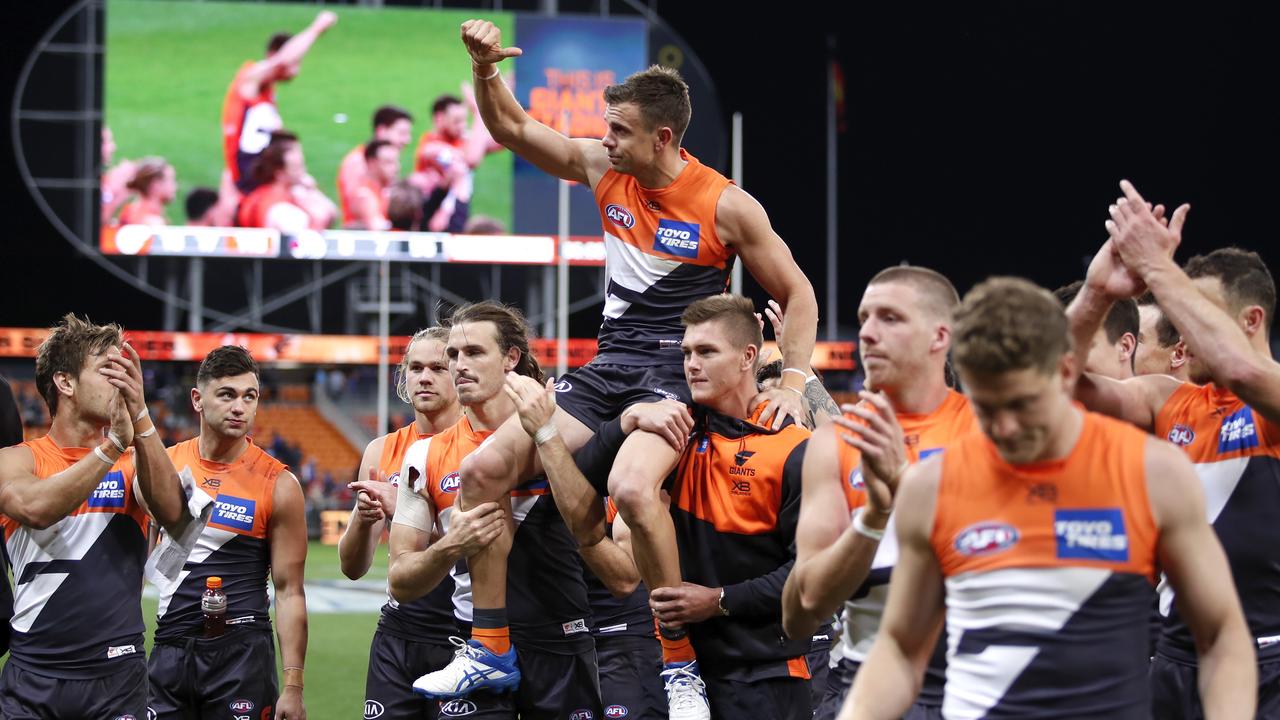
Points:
x=304 y=427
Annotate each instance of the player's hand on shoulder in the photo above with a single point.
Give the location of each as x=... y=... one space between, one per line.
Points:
x=670 y=419
x=483 y=41
x=781 y=402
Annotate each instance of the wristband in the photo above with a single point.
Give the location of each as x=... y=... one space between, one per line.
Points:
x=545 y=433
x=141 y=414
x=115 y=440
x=784 y=387
x=860 y=528
x=293 y=677
x=724 y=612
x=797 y=371
x=811 y=378
x=103 y=456
x=150 y=431
x=486 y=77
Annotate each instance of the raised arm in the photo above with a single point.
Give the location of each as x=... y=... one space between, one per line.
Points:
x=889 y=681
x=1192 y=557
x=580 y=160
x=360 y=540
x=156 y=477
x=743 y=225
x=1212 y=335
x=1136 y=400
x=290 y=54
x=40 y=502
x=833 y=557
x=288 y=534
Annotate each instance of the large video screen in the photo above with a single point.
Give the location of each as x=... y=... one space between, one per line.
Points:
x=196 y=94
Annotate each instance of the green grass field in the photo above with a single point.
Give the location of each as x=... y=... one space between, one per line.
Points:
x=169 y=65
x=338 y=643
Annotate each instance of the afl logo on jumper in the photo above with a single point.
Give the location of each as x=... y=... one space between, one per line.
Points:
x=450 y=483
x=855 y=479
x=616 y=711
x=1182 y=435
x=986 y=538
x=677 y=238
x=620 y=216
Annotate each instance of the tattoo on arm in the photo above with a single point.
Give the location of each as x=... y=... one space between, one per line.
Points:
x=818 y=400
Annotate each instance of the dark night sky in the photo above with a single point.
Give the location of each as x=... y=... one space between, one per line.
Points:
x=981 y=138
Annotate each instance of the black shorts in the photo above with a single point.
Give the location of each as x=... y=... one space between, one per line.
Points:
x=557 y=687
x=778 y=698
x=394 y=663
x=26 y=695
x=819 y=659
x=1175 y=693
x=630 y=678
x=840 y=681
x=229 y=676
x=598 y=392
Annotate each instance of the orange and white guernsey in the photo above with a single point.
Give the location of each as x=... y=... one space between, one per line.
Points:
x=235 y=545
x=78 y=583
x=1236 y=452
x=1048 y=571
x=925 y=435
x=662 y=253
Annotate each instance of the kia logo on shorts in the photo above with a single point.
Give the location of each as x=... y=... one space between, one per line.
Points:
x=450 y=483
x=621 y=217
x=242 y=706
x=985 y=538
x=373 y=709
x=615 y=711
x=457 y=708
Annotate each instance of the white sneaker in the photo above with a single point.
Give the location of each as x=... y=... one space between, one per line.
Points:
x=686 y=693
x=474 y=667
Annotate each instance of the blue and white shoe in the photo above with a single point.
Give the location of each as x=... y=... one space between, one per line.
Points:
x=686 y=693
x=474 y=667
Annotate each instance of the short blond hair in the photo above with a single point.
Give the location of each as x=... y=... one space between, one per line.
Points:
x=1007 y=323
x=735 y=311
